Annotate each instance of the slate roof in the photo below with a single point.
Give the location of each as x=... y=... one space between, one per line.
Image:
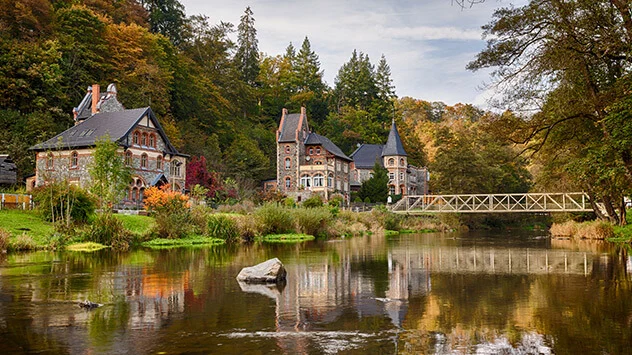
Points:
x=394 y=144
x=366 y=155
x=117 y=124
x=290 y=125
x=317 y=139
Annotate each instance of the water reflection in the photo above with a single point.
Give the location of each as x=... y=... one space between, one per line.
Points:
x=409 y=294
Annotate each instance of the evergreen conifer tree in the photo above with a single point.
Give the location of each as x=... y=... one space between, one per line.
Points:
x=247 y=55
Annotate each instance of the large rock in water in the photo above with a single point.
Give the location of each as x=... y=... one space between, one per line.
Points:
x=267 y=272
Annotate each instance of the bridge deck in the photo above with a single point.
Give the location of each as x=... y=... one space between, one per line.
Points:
x=494 y=203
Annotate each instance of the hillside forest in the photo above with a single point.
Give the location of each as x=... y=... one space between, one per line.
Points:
x=562 y=123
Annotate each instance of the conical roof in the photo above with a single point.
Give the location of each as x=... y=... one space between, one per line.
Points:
x=394 y=144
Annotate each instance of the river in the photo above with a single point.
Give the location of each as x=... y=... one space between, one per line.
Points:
x=489 y=293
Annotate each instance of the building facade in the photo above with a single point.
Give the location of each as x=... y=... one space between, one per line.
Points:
x=308 y=163
x=404 y=179
x=141 y=139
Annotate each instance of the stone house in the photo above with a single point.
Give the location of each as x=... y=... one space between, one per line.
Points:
x=404 y=179
x=307 y=162
x=142 y=142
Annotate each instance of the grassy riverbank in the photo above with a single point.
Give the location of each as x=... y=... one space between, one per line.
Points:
x=27 y=230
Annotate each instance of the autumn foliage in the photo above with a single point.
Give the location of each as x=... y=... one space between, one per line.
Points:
x=163 y=199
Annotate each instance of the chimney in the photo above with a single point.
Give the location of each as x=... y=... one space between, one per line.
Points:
x=96 y=96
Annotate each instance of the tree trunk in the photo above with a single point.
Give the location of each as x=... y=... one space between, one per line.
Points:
x=622 y=213
x=612 y=213
x=596 y=208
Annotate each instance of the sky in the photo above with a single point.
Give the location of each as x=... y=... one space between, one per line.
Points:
x=427 y=43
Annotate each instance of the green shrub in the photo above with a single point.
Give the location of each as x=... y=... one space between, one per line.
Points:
x=199 y=218
x=174 y=224
x=336 y=200
x=274 y=219
x=312 y=202
x=4 y=240
x=386 y=219
x=223 y=227
x=312 y=221
x=289 y=202
x=248 y=226
x=54 y=200
x=109 y=230
x=367 y=200
x=358 y=199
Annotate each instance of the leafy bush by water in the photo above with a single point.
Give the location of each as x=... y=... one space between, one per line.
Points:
x=223 y=227
x=312 y=221
x=109 y=230
x=275 y=219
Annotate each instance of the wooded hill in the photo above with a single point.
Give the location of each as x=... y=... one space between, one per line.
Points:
x=222 y=99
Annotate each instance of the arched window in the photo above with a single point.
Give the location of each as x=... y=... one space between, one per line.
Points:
x=143 y=161
x=318 y=180
x=319 y=162
x=74 y=159
x=311 y=151
x=159 y=163
x=175 y=168
x=287 y=149
x=288 y=182
x=134 y=194
x=50 y=161
x=330 y=180
x=391 y=162
x=128 y=158
x=152 y=140
x=143 y=139
x=401 y=162
x=288 y=163
x=136 y=137
x=306 y=181
x=318 y=150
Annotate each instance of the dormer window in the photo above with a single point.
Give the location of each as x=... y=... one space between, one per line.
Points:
x=318 y=150
x=311 y=151
x=401 y=162
x=136 y=138
x=391 y=162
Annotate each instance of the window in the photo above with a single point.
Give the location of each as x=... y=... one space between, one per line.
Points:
x=159 y=163
x=318 y=150
x=175 y=169
x=401 y=176
x=136 y=138
x=337 y=184
x=391 y=162
x=143 y=139
x=330 y=180
x=338 y=165
x=152 y=140
x=128 y=158
x=401 y=162
x=143 y=161
x=50 y=161
x=391 y=176
x=346 y=186
x=392 y=190
x=306 y=181
x=287 y=149
x=345 y=167
x=74 y=159
x=288 y=163
x=134 y=194
x=288 y=182
x=319 y=180
x=319 y=162
x=311 y=151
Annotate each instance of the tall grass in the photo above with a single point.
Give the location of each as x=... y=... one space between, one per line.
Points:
x=585 y=230
x=312 y=221
x=223 y=227
x=275 y=219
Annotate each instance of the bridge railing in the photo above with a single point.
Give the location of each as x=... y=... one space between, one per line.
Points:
x=494 y=203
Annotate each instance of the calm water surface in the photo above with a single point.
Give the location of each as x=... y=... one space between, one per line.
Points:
x=431 y=293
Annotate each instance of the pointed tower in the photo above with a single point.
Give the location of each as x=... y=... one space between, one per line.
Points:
x=396 y=162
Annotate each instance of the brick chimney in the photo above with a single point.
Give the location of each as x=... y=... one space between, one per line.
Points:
x=96 y=96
